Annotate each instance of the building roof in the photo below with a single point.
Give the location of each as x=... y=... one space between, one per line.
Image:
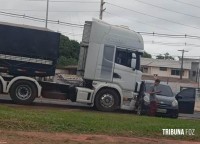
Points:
x=168 y=79
x=190 y=60
x=164 y=63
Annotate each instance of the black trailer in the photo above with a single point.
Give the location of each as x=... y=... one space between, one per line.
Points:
x=27 y=50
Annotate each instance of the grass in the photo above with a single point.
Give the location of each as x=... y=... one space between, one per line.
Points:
x=92 y=122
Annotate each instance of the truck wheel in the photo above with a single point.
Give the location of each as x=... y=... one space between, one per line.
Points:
x=107 y=100
x=23 y=92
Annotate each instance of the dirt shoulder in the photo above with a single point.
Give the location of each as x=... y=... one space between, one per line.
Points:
x=18 y=137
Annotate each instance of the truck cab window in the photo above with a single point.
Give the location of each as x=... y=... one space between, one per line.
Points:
x=123 y=57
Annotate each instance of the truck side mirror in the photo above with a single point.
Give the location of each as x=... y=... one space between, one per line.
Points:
x=133 y=61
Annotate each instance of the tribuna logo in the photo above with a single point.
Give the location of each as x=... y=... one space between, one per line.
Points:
x=178 y=132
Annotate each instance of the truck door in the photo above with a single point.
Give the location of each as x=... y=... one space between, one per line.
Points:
x=186 y=100
x=123 y=74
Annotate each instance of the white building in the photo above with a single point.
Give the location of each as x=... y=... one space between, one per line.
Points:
x=164 y=68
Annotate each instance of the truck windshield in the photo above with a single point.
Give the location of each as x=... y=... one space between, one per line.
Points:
x=123 y=57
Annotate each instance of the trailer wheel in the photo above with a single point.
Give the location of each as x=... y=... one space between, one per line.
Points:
x=107 y=100
x=23 y=92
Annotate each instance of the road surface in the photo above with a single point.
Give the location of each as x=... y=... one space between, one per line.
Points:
x=5 y=99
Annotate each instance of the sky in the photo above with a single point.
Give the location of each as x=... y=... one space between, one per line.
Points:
x=168 y=17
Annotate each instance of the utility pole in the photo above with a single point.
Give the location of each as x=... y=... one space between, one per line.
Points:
x=47 y=12
x=198 y=73
x=101 y=9
x=181 y=71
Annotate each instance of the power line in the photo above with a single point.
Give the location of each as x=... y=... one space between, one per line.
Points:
x=65 y=1
x=52 y=11
x=78 y=25
x=155 y=54
x=49 y=11
x=153 y=16
x=161 y=34
x=178 y=37
x=162 y=54
x=159 y=27
x=75 y=1
x=186 y=3
x=40 y=19
x=173 y=55
x=173 y=44
x=168 y=9
x=169 y=35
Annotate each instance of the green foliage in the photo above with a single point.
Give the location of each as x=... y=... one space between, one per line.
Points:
x=146 y=55
x=85 y=121
x=68 y=51
x=165 y=56
x=63 y=61
x=160 y=56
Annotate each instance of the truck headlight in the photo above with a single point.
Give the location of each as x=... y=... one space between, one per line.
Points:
x=174 y=103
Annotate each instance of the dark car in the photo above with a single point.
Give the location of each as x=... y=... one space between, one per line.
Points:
x=186 y=100
x=168 y=104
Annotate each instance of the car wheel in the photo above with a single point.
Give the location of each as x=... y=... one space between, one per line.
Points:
x=175 y=115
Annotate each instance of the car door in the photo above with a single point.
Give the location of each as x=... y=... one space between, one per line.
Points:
x=186 y=100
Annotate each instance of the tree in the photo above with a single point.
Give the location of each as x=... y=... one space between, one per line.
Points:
x=68 y=51
x=146 y=55
x=63 y=61
x=165 y=56
x=160 y=56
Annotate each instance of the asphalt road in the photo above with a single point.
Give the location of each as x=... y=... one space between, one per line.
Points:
x=43 y=102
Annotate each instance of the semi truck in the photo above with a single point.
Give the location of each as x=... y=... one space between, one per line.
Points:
x=109 y=65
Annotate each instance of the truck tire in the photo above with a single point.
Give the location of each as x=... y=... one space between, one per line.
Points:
x=23 y=92
x=107 y=100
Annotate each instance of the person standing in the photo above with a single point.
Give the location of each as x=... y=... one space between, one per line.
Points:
x=153 y=100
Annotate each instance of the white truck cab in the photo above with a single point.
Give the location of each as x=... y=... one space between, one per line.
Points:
x=109 y=62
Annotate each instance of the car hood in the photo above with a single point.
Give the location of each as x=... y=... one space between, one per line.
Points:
x=165 y=99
